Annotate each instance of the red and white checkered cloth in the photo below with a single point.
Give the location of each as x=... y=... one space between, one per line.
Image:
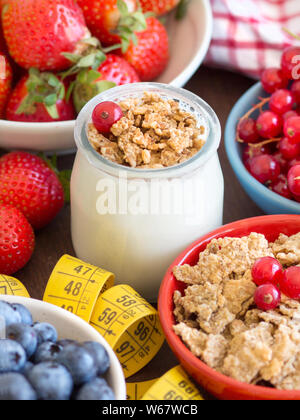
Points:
x=248 y=34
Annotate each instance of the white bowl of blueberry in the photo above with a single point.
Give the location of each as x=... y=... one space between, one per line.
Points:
x=47 y=353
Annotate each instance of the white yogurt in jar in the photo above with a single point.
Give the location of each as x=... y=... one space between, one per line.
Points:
x=135 y=222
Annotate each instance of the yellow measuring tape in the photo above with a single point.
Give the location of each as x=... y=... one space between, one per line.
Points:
x=127 y=321
x=11 y=286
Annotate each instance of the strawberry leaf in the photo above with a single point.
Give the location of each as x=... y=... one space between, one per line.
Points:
x=44 y=88
x=50 y=100
x=129 y=24
x=52 y=111
x=65 y=178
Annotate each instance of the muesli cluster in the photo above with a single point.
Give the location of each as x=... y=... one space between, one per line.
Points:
x=218 y=321
x=153 y=133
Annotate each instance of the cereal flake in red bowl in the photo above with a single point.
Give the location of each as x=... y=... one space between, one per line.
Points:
x=221 y=386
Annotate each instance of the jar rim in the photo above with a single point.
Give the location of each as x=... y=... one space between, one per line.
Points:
x=199 y=159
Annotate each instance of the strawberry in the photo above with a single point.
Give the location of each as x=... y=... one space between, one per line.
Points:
x=38 y=31
x=159 y=7
x=5 y=82
x=16 y=240
x=113 y=21
x=151 y=54
x=39 y=97
x=114 y=71
x=28 y=183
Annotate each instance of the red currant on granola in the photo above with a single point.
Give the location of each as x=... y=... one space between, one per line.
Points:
x=267 y=297
x=105 y=115
x=267 y=270
x=290 y=283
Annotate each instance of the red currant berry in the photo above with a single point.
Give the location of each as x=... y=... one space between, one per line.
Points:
x=105 y=115
x=266 y=270
x=273 y=79
x=281 y=101
x=287 y=61
x=294 y=180
x=267 y=297
x=249 y=152
x=288 y=149
x=264 y=168
x=292 y=129
x=289 y=114
x=269 y=125
x=295 y=89
x=247 y=130
x=282 y=162
x=280 y=186
x=290 y=283
x=293 y=162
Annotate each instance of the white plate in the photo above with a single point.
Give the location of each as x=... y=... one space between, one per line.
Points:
x=72 y=327
x=190 y=39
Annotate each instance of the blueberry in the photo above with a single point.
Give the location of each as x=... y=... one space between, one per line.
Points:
x=26 y=317
x=12 y=356
x=24 y=335
x=9 y=314
x=47 y=351
x=100 y=356
x=79 y=362
x=64 y=343
x=14 y=387
x=45 y=332
x=28 y=366
x=51 y=381
x=96 y=390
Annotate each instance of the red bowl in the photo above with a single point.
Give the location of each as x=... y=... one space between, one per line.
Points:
x=214 y=382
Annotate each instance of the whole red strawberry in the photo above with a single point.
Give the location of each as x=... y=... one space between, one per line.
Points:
x=114 y=71
x=159 y=7
x=39 y=97
x=37 y=32
x=150 y=55
x=112 y=20
x=29 y=184
x=5 y=82
x=16 y=240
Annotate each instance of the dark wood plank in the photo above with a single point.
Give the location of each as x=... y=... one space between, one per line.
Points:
x=221 y=90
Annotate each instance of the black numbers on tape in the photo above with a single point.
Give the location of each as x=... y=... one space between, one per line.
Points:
x=4 y=288
x=126 y=301
x=142 y=331
x=68 y=308
x=107 y=316
x=73 y=288
x=81 y=269
x=172 y=395
x=125 y=347
x=186 y=387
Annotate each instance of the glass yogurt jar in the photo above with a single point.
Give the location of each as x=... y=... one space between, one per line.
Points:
x=132 y=221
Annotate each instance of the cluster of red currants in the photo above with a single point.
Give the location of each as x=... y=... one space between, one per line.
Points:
x=271 y=279
x=272 y=141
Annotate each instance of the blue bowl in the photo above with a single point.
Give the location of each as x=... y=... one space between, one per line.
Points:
x=267 y=200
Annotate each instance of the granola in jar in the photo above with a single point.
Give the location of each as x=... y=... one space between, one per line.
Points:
x=219 y=322
x=153 y=134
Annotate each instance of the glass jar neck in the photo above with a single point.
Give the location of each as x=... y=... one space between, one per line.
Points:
x=197 y=106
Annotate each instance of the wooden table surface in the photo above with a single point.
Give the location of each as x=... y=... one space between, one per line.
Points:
x=221 y=90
